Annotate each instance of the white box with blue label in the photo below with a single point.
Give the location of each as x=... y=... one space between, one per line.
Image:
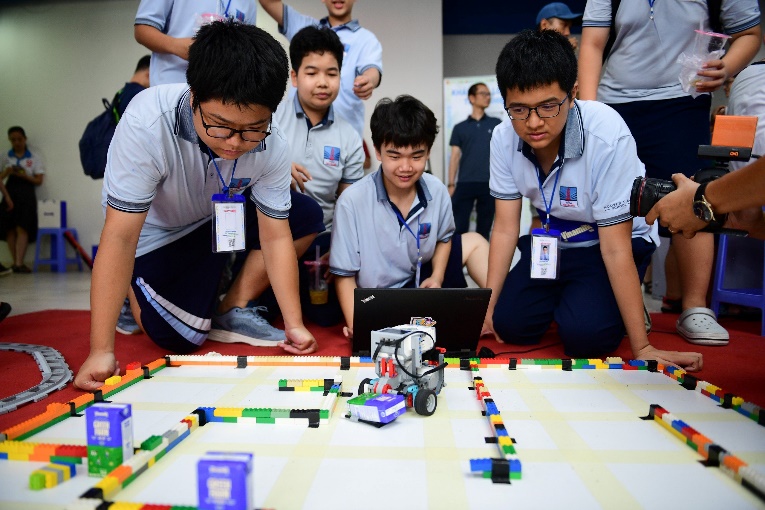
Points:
x=109 y=436
x=224 y=481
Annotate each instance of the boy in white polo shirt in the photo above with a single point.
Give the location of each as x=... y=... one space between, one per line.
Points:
x=394 y=228
x=575 y=161
x=325 y=150
x=362 y=63
x=179 y=165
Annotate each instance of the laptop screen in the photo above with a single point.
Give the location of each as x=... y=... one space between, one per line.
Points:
x=459 y=315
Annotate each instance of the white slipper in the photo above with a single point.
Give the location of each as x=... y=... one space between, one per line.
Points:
x=699 y=326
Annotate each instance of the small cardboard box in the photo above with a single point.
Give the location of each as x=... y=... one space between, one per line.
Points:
x=109 y=436
x=224 y=481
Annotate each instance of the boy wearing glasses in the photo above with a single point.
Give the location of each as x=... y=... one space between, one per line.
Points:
x=575 y=161
x=470 y=154
x=181 y=158
x=394 y=228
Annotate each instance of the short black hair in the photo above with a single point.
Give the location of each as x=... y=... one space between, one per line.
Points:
x=474 y=88
x=315 y=40
x=535 y=58
x=237 y=64
x=17 y=129
x=144 y=63
x=405 y=122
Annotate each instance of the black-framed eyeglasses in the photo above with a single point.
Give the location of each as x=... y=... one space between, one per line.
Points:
x=248 y=135
x=544 y=111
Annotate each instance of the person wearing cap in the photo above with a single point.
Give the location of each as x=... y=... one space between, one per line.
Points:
x=558 y=16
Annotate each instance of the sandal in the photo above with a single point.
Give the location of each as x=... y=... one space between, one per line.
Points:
x=671 y=305
x=699 y=326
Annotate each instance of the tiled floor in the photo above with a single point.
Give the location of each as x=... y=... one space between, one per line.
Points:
x=71 y=291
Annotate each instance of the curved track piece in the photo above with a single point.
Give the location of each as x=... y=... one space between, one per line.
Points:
x=55 y=375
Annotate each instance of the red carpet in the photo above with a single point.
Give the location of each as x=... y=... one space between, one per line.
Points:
x=734 y=368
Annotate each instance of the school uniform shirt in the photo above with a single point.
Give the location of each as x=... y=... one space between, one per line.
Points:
x=31 y=164
x=331 y=151
x=747 y=97
x=157 y=163
x=473 y=137
x=182 y=18
x=595 y=168
x=643 y=60
x=362 y=51
x=369 y=242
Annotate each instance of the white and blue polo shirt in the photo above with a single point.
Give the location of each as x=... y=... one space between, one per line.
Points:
x=181 y=18
x=370 y=243
x=31 y=164
x=595 y=170
x=362 y=51
x=643 y=61
x=331 y=151
x=747 y=97
x=157 y=163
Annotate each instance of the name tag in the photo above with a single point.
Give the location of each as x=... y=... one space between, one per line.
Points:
x=228 y=223
x=545 y=254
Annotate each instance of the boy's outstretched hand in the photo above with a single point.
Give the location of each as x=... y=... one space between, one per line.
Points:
x=96 y=369
x=688 y=361
x=299 y=341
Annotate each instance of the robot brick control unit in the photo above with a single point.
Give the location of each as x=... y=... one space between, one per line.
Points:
x=408 y=363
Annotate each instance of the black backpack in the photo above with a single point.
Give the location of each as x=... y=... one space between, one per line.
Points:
x=94 y=144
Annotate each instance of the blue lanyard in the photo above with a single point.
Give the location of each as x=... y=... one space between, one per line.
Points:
x=225 y=13
x=225 y=188
x=417 y=239
x=548 y=207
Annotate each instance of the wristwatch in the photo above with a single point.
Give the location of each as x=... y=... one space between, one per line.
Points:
x=701 y=206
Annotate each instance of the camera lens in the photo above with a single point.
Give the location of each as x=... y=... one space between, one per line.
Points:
x=646 y=192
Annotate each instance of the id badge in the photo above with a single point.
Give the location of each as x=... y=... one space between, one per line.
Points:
x=227 y=223
x=545 y=254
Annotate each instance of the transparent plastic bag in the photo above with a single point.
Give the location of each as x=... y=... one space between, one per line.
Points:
x=707 y=46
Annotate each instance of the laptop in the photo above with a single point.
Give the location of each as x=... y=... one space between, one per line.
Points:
x=459 y=315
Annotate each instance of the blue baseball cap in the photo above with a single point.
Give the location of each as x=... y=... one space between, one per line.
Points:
x=557 y=10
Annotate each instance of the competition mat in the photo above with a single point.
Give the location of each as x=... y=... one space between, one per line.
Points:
x=506 y=433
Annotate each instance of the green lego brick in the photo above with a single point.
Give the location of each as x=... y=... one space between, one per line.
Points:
x=60 y=459
x=508 y=449
x=229 y=419
x=323 y=414
x=282 y=383
x=515 y=475
x=265 y=420
x=160 y=455
x=280 y=413
x=256 y=412
x=151 y=443
x=36 y=481
x=317 y=388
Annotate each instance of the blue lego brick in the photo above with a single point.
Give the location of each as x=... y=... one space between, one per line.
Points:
x=365 y=359
x=3 y=455
x=502 y=432
x=491 y=408
x=588 y=367
x=678 y=425
x=515 y=466
x=480 y=465
x=638 y=363
x=176 y=441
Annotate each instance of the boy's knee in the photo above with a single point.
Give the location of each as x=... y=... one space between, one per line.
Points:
x=514 y=331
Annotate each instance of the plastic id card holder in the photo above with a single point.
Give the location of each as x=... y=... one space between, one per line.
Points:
x=227 y=223
x=545 y=254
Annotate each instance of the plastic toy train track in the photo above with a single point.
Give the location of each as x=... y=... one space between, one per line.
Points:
x=55 y=374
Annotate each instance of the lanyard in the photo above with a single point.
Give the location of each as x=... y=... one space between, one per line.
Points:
x=225 y=13
x=225 y=188
x=650 y=4
x=417 y=239
x=548 y=207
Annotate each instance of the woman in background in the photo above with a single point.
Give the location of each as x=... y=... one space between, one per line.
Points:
x=19 y=222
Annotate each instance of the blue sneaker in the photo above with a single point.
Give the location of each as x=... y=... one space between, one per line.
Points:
x=126 y=324
x=245 y=325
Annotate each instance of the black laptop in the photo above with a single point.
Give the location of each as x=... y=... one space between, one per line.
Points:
x=459 y=315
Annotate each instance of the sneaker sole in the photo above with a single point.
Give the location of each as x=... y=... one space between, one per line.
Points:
x=229 y=337
x=128 y=333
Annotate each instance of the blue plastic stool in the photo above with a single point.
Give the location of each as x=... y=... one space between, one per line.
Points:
x=58 y=259
x=751 y=296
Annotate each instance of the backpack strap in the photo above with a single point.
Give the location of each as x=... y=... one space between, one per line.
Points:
x=114 y=105
x=612 y=33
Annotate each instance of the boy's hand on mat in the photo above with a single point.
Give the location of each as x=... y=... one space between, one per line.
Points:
x=299 y=341
x=688 y=361
x=96 y=369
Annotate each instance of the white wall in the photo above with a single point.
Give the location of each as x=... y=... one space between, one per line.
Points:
x=60 y=58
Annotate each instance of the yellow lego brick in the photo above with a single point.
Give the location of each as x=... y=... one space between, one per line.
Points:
x=125 y=505
x=59 y=467
x=111 y=381
x=151 y=462
x=109 y=485
x=228 y=412
x=302 y=388
x=737 y=401
x=495 y=419
x=18 y=456
x=504 y=441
